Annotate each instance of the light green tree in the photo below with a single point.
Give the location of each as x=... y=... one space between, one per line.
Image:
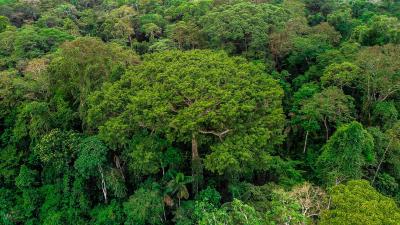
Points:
x=357 y=202
x=236 y=212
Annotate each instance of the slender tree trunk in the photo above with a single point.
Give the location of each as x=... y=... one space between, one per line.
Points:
x=118 y=165
x=103 y=184
x=165 y=216
x=196 y=165
x=305 y=142
x=326 y=129
x=369 y=101
x=380 y=163
x=130 y=40
x=329 y=202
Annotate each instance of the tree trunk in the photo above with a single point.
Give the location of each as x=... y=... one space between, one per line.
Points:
x=326 y=129
x=118 y=165
x=196 y=165
x=130 y=40
x=305 y=142
x=103 y=184
x=381 y=161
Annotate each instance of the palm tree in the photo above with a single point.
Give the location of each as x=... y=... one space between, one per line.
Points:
x=177 y=186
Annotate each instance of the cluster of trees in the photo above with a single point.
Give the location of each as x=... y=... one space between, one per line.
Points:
x=199 y=112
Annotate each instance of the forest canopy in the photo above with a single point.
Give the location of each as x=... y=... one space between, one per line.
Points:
x=203 y=112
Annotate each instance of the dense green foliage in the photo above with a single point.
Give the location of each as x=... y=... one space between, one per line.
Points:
x=359 y=203
x=201 y=112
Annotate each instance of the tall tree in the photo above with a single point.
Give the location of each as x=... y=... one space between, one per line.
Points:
x=186 y=34
x=346 y=153
x=391 y=148
x=82 y=65
x=341 y=75
x=119 y=24
x=380 y=80
x=331 y=105
x=243 y=27
x=194 y=97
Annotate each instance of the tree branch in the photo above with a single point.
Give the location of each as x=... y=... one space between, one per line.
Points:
x=220 y=135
